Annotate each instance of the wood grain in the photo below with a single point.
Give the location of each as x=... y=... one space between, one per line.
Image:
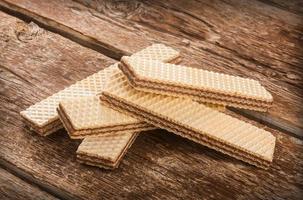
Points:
x=247 y=38
x=160 y=165
x=12 y=187
x=295 y=7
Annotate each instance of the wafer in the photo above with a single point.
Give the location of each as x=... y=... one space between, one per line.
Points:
x=42 y=116
x=198 y=84
x=105 y=151
x=192 y=120
x=86 y=116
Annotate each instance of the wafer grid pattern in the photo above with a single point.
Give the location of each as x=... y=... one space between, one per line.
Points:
x=175 y=128
x=158 y=52
x=107 y=147
x=218 y=103
x=86 y=116
x=88 y=113
x=105 y=151
x=187 y=77
x=102 y=130
x=44 y=112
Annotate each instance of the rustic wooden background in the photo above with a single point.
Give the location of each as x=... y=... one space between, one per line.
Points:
x=48 y=45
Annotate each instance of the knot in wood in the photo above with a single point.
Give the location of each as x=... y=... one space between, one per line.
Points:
x=292 y=76
x=25 y=32
x=121 y=8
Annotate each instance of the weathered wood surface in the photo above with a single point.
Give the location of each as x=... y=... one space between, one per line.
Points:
x=12 y=187
x=257 y=39
x=289 y=6
x=160 y=165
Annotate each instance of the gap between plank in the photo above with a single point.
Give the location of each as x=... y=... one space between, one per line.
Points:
x=279 y=125
x=66 y=32
x=31 y=180
x=18 y=188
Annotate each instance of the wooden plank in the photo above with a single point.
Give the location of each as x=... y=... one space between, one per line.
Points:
x=34 y=64
x=159 y=165
x=12 y=187
x=39 y=51
x=290 y=6
x=247 y=38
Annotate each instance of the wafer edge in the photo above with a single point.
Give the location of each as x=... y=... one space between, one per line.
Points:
x=98 y=161
x=124 y=62
x=40 y=128
x=114 y=102
x=102 y=131
x=162 y=88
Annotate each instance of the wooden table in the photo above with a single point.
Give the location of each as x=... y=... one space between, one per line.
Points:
x=48 y=45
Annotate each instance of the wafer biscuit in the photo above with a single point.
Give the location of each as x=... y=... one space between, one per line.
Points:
x=105 y=151
x=42 y=116
x=86 y=116
x=192 y=120
x=200 y=85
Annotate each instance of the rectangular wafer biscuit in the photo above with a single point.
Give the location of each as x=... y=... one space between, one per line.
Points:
x=42 y=117
x=192 y=120
x=105 y=151
x=198 y=84
x=86 y=116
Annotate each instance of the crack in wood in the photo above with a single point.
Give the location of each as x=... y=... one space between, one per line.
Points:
x=58 y=28
x=53 y=190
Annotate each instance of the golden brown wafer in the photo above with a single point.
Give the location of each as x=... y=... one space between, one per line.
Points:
x=105 y=151
x=200 y=85
x=192 y=120
x=86 y=116
x=42 y=116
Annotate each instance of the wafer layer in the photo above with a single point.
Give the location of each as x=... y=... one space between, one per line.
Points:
x=86 y=116
x=193 y=121
x=200 y=85
x=42 y=116
x=105 y=151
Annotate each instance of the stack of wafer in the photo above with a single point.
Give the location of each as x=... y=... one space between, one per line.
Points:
x=86 y=116
x=192 y=120
x=79 y=111
x=146 y=91
x=42 y=117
